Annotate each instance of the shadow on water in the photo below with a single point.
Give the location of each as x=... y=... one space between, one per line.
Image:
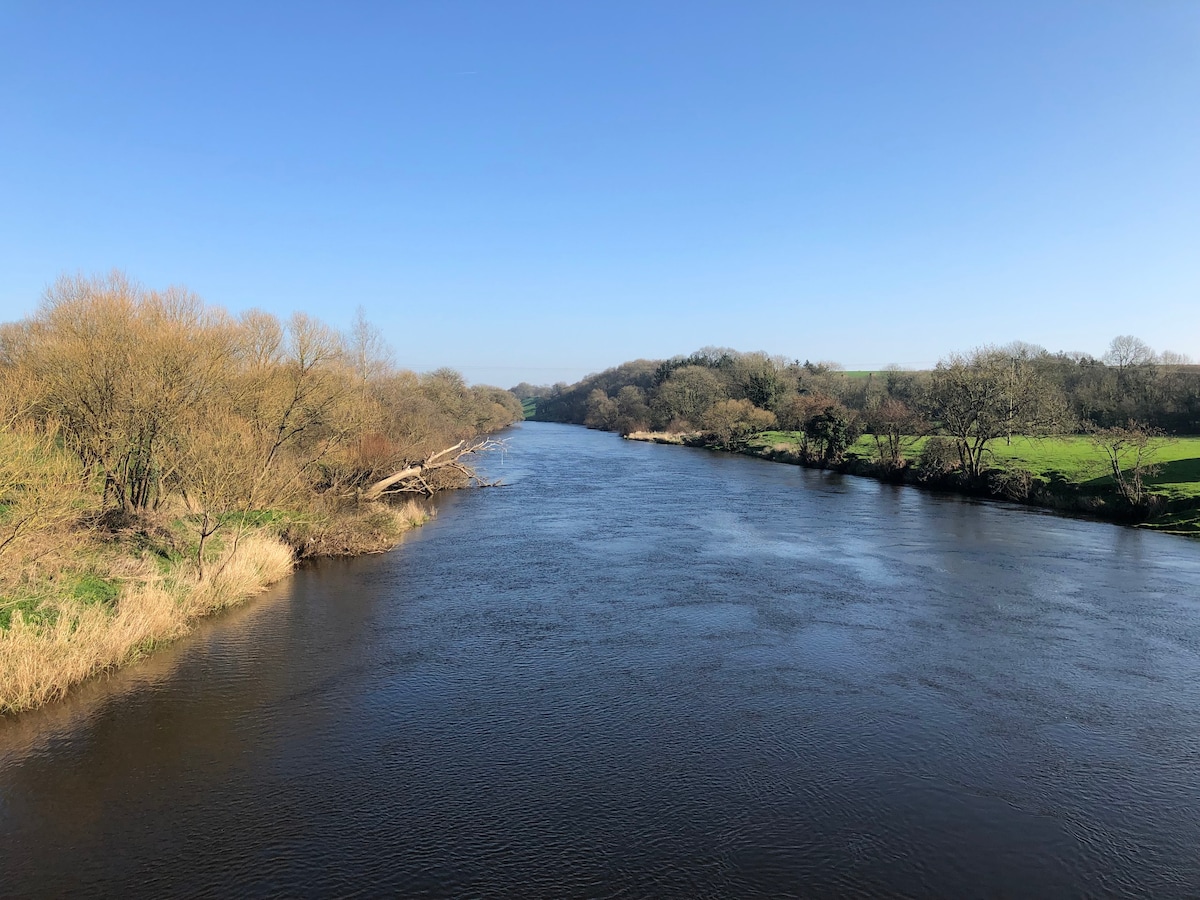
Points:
x=639 y=670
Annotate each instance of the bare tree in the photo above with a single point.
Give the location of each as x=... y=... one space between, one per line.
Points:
x=368 y=350
x=687 y=394
x=215 y=466
x=294 y=404
x=1174 y=360
x=984 y=395
x=1127 y=352
x=1130 y=452
x=895 y=428
x=633 y=413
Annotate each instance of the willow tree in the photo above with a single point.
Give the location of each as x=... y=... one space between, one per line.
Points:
x=115 y=368
x=156 y=394
x=731 y=423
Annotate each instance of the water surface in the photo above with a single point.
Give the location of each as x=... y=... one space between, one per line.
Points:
x=647 y=671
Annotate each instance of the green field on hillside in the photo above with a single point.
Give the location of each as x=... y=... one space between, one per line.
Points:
x=529 y=405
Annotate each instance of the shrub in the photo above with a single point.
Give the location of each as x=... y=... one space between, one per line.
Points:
x=1012 y=484
x=939 y=457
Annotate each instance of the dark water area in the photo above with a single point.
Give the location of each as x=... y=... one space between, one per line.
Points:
x=645 y=671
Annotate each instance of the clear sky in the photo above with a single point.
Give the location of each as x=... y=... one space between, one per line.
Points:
x=536 y=190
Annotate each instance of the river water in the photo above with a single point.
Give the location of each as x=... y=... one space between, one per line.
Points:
x=646 y=671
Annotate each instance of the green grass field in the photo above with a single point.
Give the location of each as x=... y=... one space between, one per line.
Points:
x=863 y=373
x=1071 y=459
x=1077 y=460
x=529 y=404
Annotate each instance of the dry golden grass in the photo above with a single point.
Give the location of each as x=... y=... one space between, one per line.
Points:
x=656 y=437
x=411 y=515
x=40 y=661
x=260 y=560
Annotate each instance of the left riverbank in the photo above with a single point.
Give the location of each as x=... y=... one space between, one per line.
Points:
x=161 y=458
x=108 y=600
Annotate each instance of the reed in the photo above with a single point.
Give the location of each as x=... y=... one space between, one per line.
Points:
x=41 y=659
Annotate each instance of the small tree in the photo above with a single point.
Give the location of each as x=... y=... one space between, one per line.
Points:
x=895 y=428
x=730 y=423
x=215 y=465
x=832 y=430
x=1129 y=451
x=802 y=407
x=1127 y=352
x=938 y=458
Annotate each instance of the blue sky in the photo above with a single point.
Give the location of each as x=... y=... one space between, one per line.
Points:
x=532 y=191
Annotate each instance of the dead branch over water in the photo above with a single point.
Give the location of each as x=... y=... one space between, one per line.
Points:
x=416 y=478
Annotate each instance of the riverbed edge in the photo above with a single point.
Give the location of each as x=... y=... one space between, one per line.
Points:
x=1062 y=498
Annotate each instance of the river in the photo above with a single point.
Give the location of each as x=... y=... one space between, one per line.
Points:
x=648 y=671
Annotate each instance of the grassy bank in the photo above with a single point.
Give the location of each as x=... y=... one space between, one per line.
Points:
x=1072 y=459
x=94 y=598
x=1067 y=473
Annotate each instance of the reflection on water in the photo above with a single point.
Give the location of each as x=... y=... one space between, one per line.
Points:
x=648 y=671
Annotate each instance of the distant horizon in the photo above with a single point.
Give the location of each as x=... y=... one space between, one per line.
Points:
x=501 y=375
x=533 y=192
x=911 y=367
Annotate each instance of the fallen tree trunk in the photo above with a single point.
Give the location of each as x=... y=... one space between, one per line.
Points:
x=412 y=478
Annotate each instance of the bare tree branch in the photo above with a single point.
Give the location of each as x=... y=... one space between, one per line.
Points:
x=413 y=478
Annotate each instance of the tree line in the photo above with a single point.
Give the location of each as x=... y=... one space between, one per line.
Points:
x=968 y=399
x=118 y=399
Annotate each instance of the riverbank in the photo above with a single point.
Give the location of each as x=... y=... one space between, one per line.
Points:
x=1062 y=474
x=99 y=598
